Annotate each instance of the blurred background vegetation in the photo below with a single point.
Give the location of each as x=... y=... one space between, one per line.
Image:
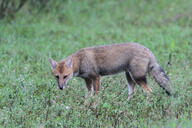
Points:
x=32 y=31
x=9 y=8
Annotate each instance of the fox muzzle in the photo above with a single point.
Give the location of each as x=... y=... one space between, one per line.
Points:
x=61 y=87
x=63 y=83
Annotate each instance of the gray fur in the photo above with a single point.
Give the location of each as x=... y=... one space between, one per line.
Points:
x=111 y=59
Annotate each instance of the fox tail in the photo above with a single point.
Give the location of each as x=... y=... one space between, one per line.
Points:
x=160 y=76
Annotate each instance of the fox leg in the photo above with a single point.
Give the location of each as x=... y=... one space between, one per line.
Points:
x=89 y=83
x=96 y=84
x=131 y=85
x=96 y=87
x=143 y=83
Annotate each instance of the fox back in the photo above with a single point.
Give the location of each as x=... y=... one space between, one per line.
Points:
x=111 y=59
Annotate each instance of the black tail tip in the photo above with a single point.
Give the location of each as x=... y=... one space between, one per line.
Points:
x=168 y=93
x=173 y=94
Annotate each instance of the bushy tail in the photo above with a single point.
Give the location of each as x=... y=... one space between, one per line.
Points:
x=160 y=76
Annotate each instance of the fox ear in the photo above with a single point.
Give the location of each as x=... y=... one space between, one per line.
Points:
x=68 y=62
x=53 y=63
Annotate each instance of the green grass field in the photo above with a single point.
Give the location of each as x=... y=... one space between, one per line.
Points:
x=29 y=96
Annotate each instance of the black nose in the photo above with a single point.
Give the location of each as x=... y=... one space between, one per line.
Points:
x=61 y=88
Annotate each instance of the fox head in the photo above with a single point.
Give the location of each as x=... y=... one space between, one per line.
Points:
x=62 y=71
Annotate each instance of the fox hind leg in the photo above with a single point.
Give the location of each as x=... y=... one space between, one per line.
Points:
x=130 y=84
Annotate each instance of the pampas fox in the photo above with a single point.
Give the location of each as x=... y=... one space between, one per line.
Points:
x=94 y=62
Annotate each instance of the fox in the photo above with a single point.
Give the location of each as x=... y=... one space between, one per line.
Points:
x=92 y=63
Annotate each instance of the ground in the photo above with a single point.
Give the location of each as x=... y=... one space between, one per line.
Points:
x=29 y=96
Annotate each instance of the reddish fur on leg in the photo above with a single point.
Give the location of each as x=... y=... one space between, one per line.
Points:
x=96 y=84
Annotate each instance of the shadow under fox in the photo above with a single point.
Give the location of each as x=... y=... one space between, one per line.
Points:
x=92 y=63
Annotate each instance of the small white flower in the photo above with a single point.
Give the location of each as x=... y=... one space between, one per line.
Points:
x=67 y=107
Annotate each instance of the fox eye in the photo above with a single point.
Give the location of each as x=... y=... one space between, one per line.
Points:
x=57 y=77
x=64 y=76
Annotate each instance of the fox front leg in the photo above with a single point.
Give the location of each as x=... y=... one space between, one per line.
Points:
x=130 y=84
x=89 y=86
x=96 y=84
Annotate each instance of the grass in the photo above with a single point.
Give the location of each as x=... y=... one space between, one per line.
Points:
x=29 y=96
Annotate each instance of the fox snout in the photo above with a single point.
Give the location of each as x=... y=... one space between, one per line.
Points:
x=61 y=87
